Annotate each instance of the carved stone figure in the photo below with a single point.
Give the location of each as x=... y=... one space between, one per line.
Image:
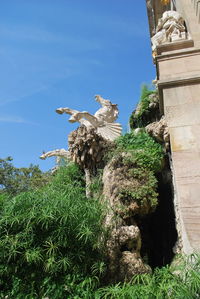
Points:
x=102 y=120
x=170 y=27
x=61 y=153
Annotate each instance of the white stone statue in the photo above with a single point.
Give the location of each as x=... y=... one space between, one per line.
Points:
x=59 y=153
x=170 y=28
x=102 y=120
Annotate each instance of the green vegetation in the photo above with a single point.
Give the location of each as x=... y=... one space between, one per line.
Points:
x=16 y=180
x=142 y=115
x=181 y=282
x=142 y=160
x=50 y=240
x=144 y=149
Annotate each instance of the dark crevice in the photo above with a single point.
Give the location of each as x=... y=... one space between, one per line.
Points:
x=158 y=230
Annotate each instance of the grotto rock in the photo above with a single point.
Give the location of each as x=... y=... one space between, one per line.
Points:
x=131 y=264
x=159 y=130
x=88 y=149
x=124 y=244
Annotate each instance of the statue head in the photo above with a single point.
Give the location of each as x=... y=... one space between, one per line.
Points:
x=102 y=101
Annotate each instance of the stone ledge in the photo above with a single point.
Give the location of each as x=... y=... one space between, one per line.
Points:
x=173 y=46
x=175 y=82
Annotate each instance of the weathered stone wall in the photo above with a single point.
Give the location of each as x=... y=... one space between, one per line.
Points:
x=182 y=110
x=178 y=74
x=190 y=10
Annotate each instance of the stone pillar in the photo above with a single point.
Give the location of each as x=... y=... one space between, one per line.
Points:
x=178 y=71
x=178 y=74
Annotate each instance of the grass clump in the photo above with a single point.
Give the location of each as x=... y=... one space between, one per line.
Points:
x=49 y=240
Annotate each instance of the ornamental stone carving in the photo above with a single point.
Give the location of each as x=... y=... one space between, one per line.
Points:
x=171 y=27
x=102 y=120
x=59 y=153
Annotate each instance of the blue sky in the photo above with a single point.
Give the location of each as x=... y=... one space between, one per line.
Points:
x=60 y=54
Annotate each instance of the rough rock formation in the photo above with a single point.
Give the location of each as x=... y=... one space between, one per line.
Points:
x=87 y=149
x=124 y=243
x=160 y=131
x=153 y=104
x=129 y=190
x=146 y=112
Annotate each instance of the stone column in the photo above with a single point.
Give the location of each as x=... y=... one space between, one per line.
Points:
x=178 y=72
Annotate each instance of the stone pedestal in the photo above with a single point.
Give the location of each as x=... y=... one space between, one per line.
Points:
x=178 y=73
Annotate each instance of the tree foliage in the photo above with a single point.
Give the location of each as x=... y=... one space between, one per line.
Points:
x=15 y=180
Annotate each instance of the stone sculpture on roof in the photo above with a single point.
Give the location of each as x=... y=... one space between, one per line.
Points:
x=102 y=120
x=170 y=27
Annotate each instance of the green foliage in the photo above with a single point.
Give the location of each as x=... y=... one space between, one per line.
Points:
x=15 y=180
x=140 y=117
x=145 y=150
x=162 y=284
x=144 y=192
x=143 y=159
x=96 y=185
x=50 y=240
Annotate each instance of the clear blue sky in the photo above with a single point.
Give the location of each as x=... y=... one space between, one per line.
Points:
x=60 y=54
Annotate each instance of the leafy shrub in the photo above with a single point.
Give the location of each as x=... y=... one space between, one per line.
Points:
x=50 y=239
x=145 y=150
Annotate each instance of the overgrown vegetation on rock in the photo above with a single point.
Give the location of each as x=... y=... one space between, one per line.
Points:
x=146 y=152
x=182 y=281
x=139 y=157
x=57 y=243
x=147 y=110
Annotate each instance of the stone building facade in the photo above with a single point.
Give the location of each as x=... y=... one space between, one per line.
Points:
x=178 y=79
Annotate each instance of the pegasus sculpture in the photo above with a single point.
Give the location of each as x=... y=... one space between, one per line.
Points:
x=102 y=120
